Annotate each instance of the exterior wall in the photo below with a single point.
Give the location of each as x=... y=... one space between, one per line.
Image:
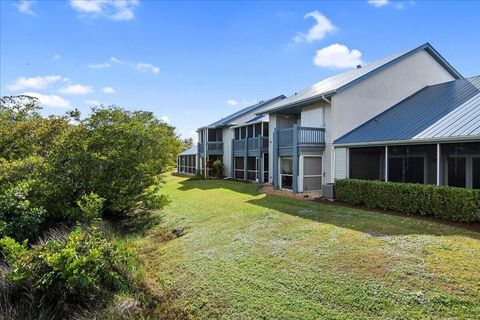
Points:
x=328 y=153
x=312 y=116
x=341 y=162
x=381 y=91
x=227 y=136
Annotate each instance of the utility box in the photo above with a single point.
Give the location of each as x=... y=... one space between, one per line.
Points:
x=328 y=191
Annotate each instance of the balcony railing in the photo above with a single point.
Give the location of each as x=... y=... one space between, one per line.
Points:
x=305 y=136
x=252 y=145
x=213 y=147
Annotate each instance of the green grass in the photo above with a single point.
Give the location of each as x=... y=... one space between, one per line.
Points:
x=246 y=255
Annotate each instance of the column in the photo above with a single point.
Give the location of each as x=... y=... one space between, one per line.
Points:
x=295 y=159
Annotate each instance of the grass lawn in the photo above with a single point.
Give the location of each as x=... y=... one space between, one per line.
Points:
x=246 y=255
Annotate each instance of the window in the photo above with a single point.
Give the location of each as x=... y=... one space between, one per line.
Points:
x=243 y=132
x=476 y=173
x=258 y=129
x=265 y=129
x=367 y=163
x=286 y=173
x=239 y=168
x=250 y=131
x=457 y=173
x=237 y=133
x=252 y=168
x=312 y=173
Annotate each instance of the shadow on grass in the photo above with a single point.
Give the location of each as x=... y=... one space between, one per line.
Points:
x=236 y=186
x=137 y=223
x=371 y=222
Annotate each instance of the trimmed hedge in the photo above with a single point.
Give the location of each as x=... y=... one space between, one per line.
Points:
x=449 y=203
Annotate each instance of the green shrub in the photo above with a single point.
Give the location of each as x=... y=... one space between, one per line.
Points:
x=83 y=267
x=218 y=168
x=449 y=203
x=90 y=207
x=19 y=219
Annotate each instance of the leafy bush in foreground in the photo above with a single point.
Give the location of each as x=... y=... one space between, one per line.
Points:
x=18 y=218
x=78 y=270
x=449 y=203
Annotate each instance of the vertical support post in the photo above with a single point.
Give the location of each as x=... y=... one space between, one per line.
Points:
x=438 y=164
x=295 y=159
x=245 y=159
x=205 y=143
x=386 y=163
x=232 y=162
x=260 y=159
x=275 y=158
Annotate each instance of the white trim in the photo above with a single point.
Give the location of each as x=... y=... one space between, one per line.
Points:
x=438 y=164
x=412 y=141
x=386 y=163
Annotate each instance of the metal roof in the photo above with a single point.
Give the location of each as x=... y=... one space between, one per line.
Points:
x=189 y=152
x=346 y=79
x=256 y=107
x=446 y=110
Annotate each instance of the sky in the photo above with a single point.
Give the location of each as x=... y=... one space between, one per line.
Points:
x=192 y=63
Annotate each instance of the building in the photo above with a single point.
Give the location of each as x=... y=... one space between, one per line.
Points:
x=431 y=137
x=307 y=126
x=187 y=161
x=238 y=134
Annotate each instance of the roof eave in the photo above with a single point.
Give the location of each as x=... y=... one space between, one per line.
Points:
x=410 y=141
x=301 y=103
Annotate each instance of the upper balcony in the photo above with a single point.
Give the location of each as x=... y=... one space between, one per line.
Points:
x=212 y=148
x=250 y=147
x=298 y=137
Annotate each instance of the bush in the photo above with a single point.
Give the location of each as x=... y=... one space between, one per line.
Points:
x=18 y=218
x=449 y=203
x=79 y=270
x=218 y=168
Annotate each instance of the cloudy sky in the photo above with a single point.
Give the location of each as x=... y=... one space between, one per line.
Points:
x=194 y=62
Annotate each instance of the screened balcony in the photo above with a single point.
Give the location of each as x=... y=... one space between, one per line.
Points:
x=213 y=148
x=299 y=137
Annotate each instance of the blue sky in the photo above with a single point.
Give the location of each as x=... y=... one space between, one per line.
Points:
x=195 y=62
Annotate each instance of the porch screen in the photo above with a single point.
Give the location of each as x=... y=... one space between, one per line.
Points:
x=239 y=168
x=312 y=173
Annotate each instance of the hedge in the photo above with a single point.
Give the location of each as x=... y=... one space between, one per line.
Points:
x=449 y=203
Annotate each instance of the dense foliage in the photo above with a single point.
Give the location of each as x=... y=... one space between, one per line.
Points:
x=62 y=171
x=113 y=156
x=449 y=203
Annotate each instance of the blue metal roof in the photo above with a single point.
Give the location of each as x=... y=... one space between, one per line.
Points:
x=189 y=152
x=450 y=109
x=256 y=107
x=349 y=78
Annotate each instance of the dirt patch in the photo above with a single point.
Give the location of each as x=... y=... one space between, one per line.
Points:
x=304 y=195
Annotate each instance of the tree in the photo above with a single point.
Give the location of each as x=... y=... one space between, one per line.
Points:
x=187 y=143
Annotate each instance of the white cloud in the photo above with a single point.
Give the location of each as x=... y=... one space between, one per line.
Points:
x=337 y=56
x=93 y=102
x=111 y=9
x=109 y=90
x=232 y=102
x=145 y=67
x=115 y=60
x=165 y=119
x=56 y=57
x=322 y=26
x=77 y=89
x=25 y=6
x=378 y=3
x=51 y=100
x=39 y=82
x=99 y=65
